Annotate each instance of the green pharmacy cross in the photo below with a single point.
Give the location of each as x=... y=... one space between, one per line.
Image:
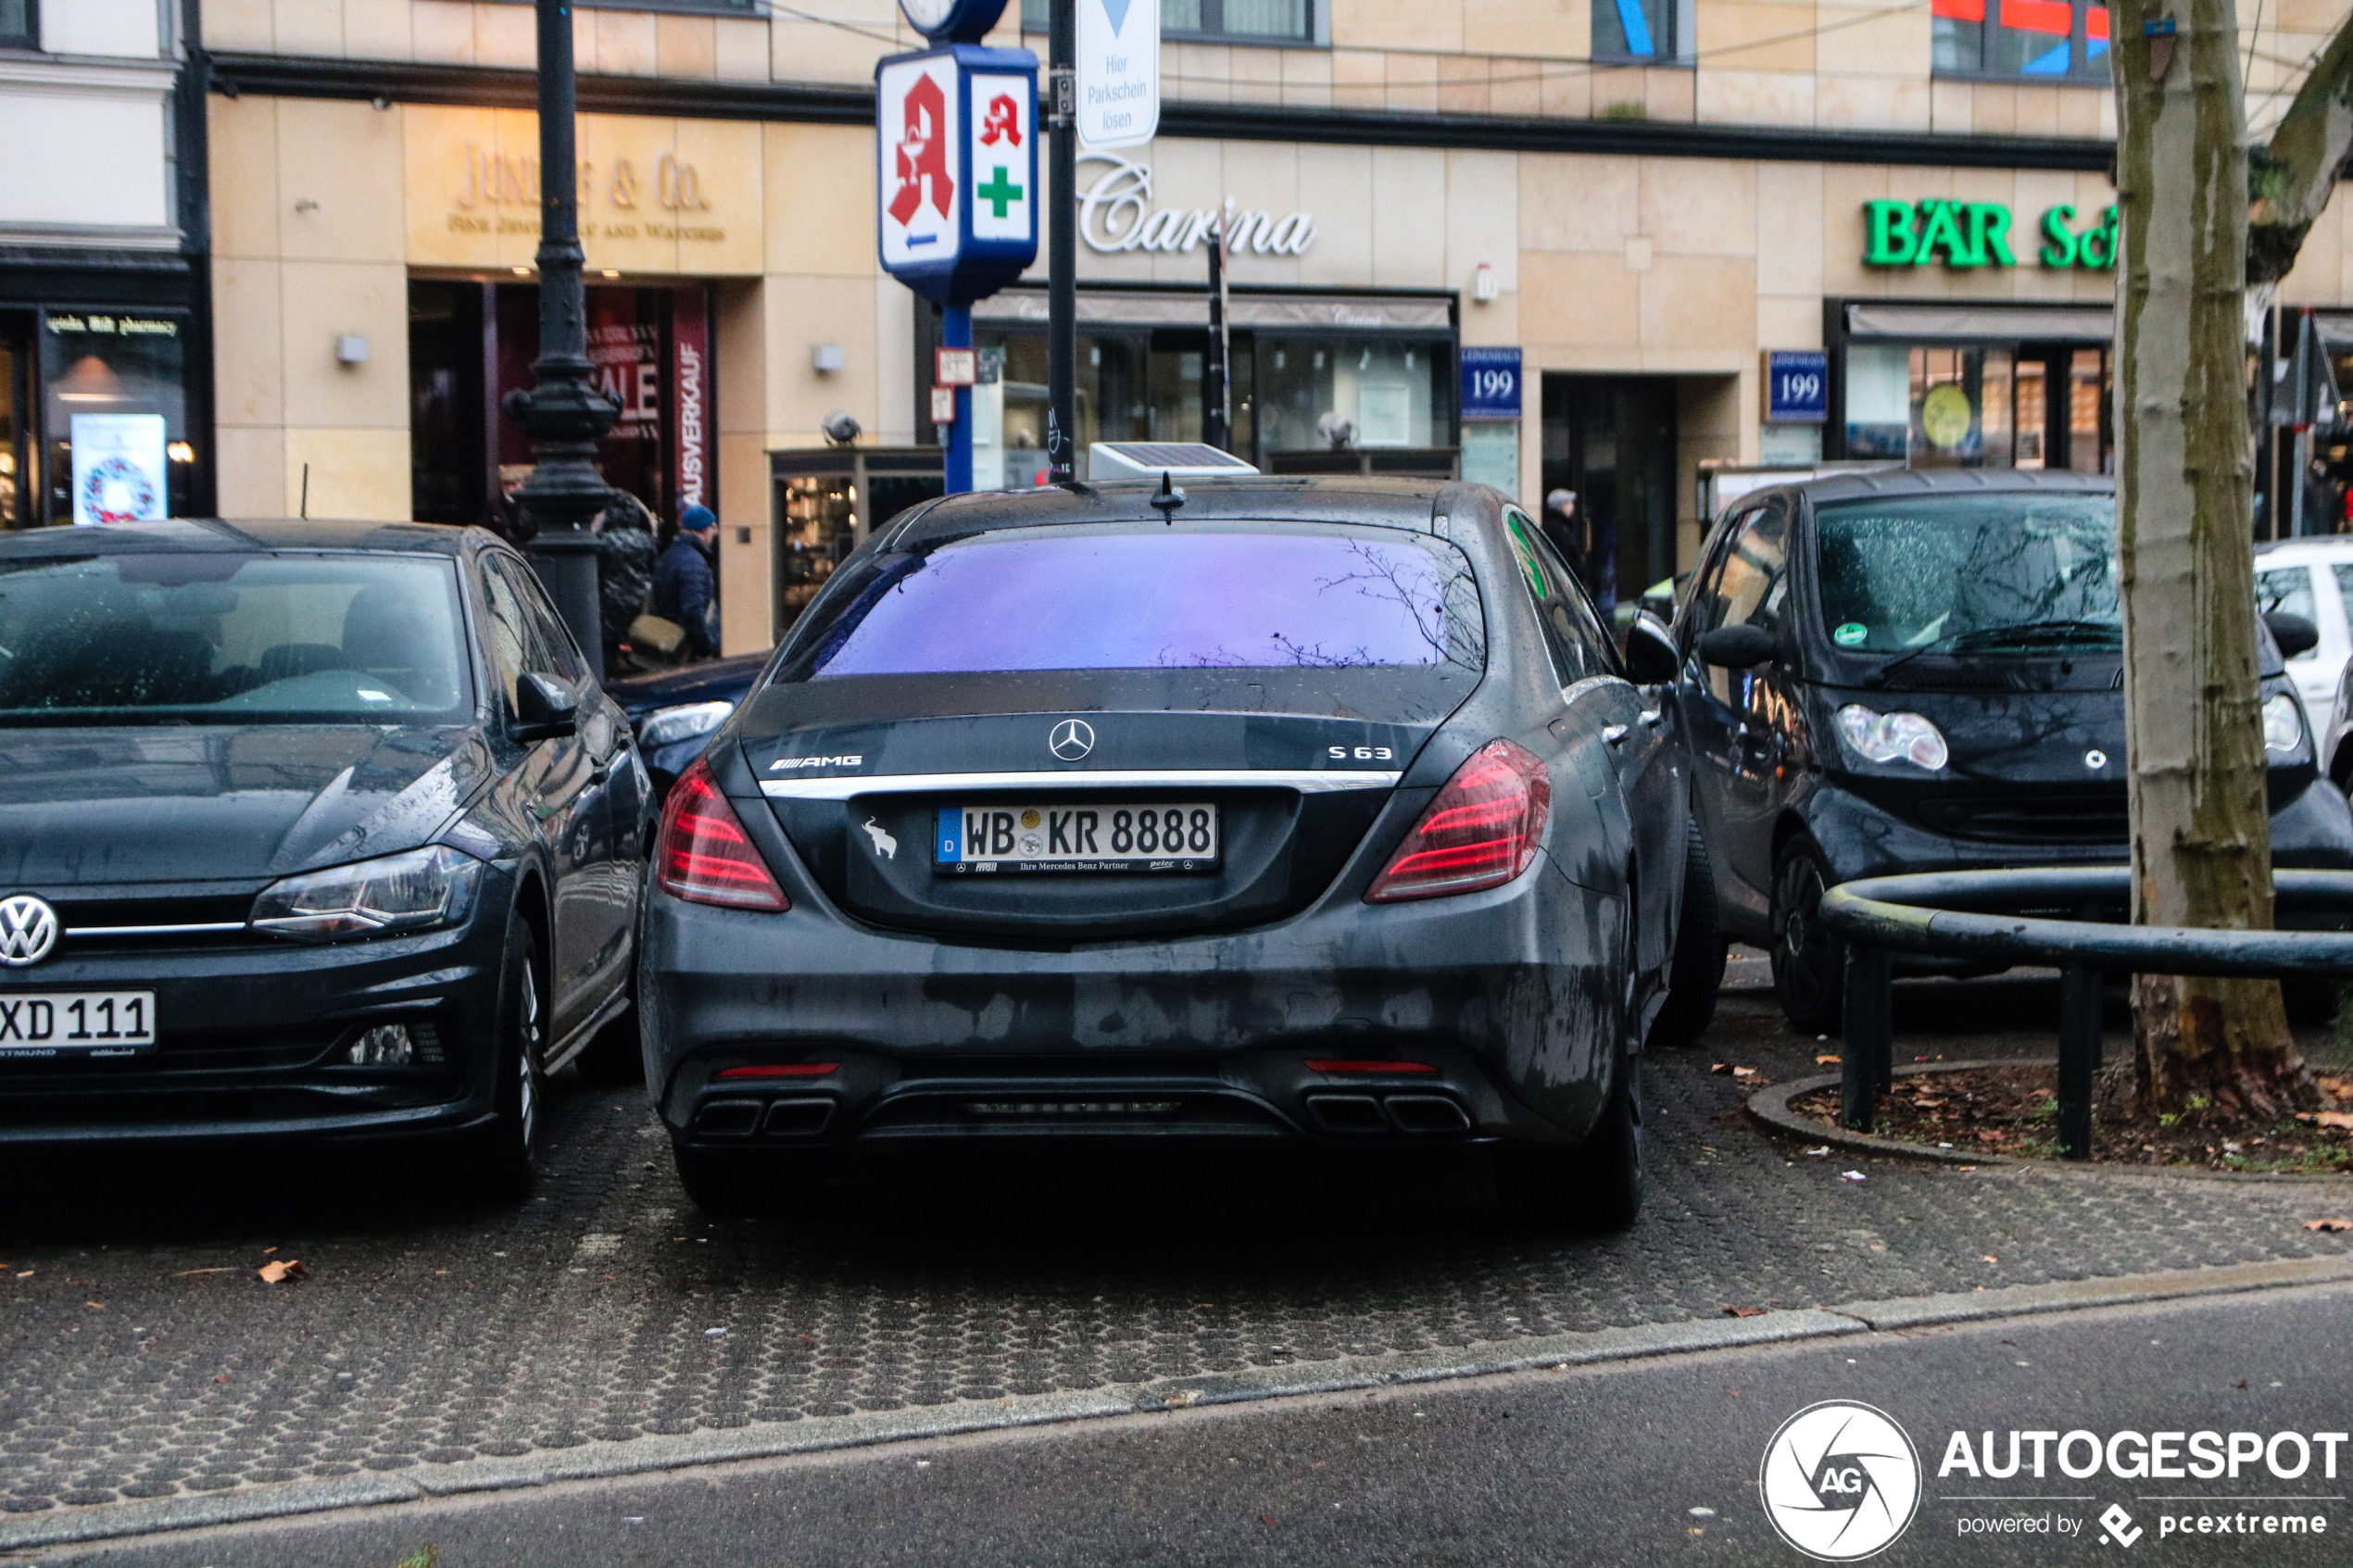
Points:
x=999 y=193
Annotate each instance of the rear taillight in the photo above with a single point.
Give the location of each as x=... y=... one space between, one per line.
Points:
x=704 y=856
x=1480 y=832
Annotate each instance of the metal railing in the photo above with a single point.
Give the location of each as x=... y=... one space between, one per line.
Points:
x=1975 y=916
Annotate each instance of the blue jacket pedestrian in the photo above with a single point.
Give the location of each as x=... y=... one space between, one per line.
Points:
x=686 y=590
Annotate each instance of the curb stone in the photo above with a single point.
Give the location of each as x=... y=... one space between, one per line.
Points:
x=1551 y=1353
x=1768 y=1107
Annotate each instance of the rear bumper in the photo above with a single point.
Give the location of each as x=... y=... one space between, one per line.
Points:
x=1508 y=997
x=249 y=1037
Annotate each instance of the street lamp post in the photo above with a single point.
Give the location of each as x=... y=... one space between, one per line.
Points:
x=563 y=414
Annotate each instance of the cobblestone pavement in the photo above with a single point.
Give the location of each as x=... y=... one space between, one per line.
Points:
x=140 y=1356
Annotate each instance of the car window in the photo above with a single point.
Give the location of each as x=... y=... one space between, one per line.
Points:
x=1572 y=633
x=2012 y=575
x=1752 y=584
x=512 y=640
x=1213 y=595
x=212 y=636
x=2287 y=590
x=558 y=654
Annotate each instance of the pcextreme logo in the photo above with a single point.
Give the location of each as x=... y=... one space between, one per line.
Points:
x=1841 y=1481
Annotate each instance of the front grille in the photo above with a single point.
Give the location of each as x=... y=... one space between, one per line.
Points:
x=2054 y=819
x=138 y=921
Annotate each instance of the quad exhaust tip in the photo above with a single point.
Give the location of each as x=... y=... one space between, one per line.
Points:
x=1365 y=1115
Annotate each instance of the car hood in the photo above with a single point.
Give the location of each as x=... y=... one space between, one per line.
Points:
x=715 y=679
x=186 y=803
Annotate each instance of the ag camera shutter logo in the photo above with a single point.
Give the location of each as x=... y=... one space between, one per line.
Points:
x=1841 y=1481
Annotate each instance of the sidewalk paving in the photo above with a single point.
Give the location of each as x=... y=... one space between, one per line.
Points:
x=584 y=1323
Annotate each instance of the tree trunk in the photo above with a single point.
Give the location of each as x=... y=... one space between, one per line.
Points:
x=2201 y=831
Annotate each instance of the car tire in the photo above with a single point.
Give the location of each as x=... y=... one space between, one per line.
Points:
x=724 y=1183
x=1809 y=960
x=1594 y=1188
x=505 y=1152
x=1696 y=973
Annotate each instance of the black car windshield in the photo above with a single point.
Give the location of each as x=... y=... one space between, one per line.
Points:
x=2008 y=573
x=1127 y=597
x=217 y=637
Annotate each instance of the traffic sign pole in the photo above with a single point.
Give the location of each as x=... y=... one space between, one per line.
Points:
x=957 y=333
x=1062 y=243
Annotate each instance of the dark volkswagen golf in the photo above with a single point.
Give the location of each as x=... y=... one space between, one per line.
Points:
x=305 y=829
x=1918 y=672
x=1282 y=810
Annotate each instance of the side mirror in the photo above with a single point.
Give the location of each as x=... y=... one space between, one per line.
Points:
x=1737 y=648
x=1650 y=651
x=545 y=707
x=2293 y=632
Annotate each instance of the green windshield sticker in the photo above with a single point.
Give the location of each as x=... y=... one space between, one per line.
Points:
x=1850 y=634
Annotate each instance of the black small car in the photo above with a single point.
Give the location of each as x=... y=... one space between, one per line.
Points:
x=1922 y=671
x=673 y=712
x=307 y=829
x=1294 y=809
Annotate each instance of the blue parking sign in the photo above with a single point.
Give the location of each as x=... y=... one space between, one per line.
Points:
x=1491 y=384
x=1797 y=386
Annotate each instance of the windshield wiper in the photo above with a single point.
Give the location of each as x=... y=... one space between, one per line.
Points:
x=2027 y=634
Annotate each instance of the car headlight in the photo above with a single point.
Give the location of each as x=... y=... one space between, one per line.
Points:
x=411 y=892
x=667 y=726
x=1889 y=738
x=2282 y=724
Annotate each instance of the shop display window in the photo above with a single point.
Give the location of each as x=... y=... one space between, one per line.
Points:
x=16 y=472
x=113 y=392
x=2026 y=405
x=820 y=530
x=2035 y=39
x=1394 y=391
x=19 y=25
x=1642 y=30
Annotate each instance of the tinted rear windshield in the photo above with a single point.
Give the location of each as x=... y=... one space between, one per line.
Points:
x=1150 y=596
x=226 y=638
x=1992 y=574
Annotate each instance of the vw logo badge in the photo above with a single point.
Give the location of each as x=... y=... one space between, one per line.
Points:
x=1072 y=739
x=2096 y=759
x=27 y=930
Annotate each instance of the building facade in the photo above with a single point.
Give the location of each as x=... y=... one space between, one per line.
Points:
x=1648 y=202
x=104 y=379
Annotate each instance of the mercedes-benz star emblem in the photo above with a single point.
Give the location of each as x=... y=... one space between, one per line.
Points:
x=27 y=930
x=1072 y=739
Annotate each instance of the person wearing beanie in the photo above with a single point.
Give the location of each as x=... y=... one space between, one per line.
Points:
x=686 y=589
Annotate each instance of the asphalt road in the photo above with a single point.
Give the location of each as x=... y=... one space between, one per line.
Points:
x=1638 y=1462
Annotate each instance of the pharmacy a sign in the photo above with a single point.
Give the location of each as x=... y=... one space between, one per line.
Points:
x=1118 y=78
x=956 y=169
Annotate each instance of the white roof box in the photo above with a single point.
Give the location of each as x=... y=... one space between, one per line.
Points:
x=1150 y=460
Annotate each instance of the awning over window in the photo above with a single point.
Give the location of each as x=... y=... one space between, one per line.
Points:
x=2005 y=323
x=1110 y=307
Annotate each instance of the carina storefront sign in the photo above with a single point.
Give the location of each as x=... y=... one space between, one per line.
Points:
x=1115 y=213
x=1970 y=234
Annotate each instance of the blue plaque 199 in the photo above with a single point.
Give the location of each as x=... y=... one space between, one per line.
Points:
x=1797 y=386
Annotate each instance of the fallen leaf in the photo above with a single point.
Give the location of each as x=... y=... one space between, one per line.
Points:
x=1743 y=1311
x=1723 y=1067
x=2342 y=1119
x=1829 y=1061
x=267 y=1250
x=275 y=1271
x=26 y=1274
x=1747 y=1076
x=1182 y=1397
x=2330 y=1224
x=1265 y=1519
x=96 y=1306
x=1990 y=1259
x=222 y=1378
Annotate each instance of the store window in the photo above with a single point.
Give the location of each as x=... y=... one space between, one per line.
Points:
x=469 y=343
x=2036 y=39
x=2027 y=406
x=113 y=416
x=1642 y=29
x=19 y=25
x=16 y=446
x=1250 y=21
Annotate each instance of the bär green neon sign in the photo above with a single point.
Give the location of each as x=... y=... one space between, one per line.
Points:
x=1965 y=235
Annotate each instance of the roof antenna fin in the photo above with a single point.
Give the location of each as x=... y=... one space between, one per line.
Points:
x=1171 y=496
